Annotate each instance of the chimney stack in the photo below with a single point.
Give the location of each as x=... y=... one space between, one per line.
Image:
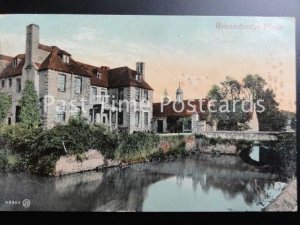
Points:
x=32 y=42
x=140 y=68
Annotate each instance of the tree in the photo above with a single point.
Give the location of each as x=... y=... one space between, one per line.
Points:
x=29 y=103
x=271 y=119
x=228 y=94
x=5 y=104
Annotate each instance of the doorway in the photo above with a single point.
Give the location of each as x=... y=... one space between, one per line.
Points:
x=160 y=126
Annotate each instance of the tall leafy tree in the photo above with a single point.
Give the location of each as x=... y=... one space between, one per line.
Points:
x=29 y=103
x=5 y=104
x=231 y=91
x=271 y=119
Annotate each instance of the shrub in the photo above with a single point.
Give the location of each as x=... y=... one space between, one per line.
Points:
x=135 y=147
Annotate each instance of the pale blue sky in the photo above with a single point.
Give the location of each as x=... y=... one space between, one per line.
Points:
x=189 y=49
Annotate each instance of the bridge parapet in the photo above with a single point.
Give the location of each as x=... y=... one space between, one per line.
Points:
x=242 y=135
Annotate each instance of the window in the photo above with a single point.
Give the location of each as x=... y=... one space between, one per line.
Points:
x=19 y=85
x=146 y=119
x=61 y=83
x=78 y=85
x=99 y=75
x=121 y=93
x=3 y=83
x=61 y=114
x=120 y=118
x=94 y=93
x=137 y=118
x=65 y=58
x=138 y=77
x=113 y=117
x=9 y=121
x=197 y=117
x=15 y=62
x=137 y=94
x=146 y=95
x=10 y=82
x=103 y=96
x=77 y=111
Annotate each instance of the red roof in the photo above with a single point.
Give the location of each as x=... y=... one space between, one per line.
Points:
x=46 y=48
x=11 y=71
x=114 y=78
x=54 y=62
x=124 y=77
x=173 y=109
x=92 y=70
x=6 y=58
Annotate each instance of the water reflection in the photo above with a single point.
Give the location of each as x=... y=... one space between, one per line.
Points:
x=196 y=183
x=254 y=153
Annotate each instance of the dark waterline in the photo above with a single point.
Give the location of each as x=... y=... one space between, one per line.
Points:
x=196 y=183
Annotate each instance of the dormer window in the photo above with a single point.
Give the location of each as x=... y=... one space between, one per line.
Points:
x=65 y=58
x=138 y=77
x=99 y=75
x=15 y=62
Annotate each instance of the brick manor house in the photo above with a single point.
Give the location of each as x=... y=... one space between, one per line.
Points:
x=55 y=73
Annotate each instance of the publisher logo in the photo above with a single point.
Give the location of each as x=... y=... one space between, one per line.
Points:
x=26 y=203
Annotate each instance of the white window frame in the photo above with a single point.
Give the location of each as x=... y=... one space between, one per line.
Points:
x=137 y=117
x=146 y=118
x=137 y=94
x=99 y=75
x=103 y=94
x=78 y=87
x=61 y=114
x=94 y=95
x=18 y=85
x=59 y=84
x=146 y=95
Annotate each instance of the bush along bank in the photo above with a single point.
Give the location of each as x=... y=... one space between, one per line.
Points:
x=36 y=151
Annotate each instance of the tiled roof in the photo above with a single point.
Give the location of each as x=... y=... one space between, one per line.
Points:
x=124 y=77
x=170 y=109
x=46 y=48
x=92 y=70
x=114 y=78
x=11 y=71
x=6 y=58
x=54 y=62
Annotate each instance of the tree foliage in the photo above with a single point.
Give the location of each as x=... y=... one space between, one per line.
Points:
x=231 y=91
x=271 y=119
x=29 y=103
x=5 y=104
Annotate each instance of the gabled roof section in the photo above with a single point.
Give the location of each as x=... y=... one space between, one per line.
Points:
x=173 y=109
x=6 y=58
x=54 y=62
x=45 y=47
x=124 y=77
x=93 y=70
x=11 y=71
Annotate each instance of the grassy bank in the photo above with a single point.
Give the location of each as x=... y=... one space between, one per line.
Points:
x=36 y=151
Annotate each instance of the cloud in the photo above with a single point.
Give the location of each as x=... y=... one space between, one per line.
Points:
x=10 y=43
x=85 y=34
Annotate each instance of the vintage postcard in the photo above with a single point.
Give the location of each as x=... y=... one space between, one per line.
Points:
x=147 y=113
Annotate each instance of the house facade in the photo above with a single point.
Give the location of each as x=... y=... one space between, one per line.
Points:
x=118 y=98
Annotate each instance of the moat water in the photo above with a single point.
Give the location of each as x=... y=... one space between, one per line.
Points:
x=195 y=183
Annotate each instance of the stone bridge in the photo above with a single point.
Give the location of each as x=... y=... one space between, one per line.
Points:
x=236 y=135
x=243 y=135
